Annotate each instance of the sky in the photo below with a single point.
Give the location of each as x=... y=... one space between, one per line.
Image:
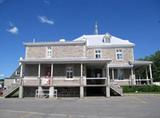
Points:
x=50 y=20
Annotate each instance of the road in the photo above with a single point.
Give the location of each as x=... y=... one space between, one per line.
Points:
x=139 y=106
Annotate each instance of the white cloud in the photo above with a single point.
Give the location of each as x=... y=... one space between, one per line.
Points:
x=44 y=19
x=13 y=30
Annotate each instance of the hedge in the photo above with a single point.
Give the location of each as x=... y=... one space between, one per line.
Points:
x=141 y=89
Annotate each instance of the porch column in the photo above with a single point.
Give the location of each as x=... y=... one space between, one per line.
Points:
x=112 y=73
x=107 y=81
x=150 y=71
x=51 y=88
x=81 y=83
x=39 y=81
x=39 y=74
x=132 y=81
x=131 y=76
x=21 y=82
x=147 y=76
x=51 y=83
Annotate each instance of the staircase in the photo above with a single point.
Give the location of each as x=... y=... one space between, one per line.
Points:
x=116 y=88
x=14 y=86
x=10 y=90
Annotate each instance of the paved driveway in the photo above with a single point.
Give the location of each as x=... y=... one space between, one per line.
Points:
x=141 y=106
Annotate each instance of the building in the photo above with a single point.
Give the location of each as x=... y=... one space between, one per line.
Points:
x=91 y=65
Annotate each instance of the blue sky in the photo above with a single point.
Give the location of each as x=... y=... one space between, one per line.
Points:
x=50 y=20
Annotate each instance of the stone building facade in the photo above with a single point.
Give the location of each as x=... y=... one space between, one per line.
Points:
x=91 y=65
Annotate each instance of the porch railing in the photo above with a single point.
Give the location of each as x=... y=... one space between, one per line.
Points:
x=96 y=80
x=29 y=81
x=44 y=93
x=92 y=78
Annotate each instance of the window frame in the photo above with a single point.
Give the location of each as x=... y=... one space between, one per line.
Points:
x=49 y=52
x=99 y=53
x=69 y=69
x=119 y=52
x=106 y=40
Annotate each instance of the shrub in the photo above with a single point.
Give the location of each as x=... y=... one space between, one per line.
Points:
x=141 y=89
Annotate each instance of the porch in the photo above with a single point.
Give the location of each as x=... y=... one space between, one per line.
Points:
x=64 y=74
x=129 y=74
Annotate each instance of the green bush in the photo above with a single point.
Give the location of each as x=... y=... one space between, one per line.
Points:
x=141 y=89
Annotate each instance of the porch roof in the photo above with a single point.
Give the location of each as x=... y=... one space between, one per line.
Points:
x=126 y=65
x=140 y=63
x=65 y=60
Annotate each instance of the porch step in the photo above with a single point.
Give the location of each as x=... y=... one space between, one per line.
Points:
x=116 y=88
x=10 y=90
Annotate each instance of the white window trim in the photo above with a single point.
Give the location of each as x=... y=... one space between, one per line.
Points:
x=48 y=51
x=72 y=73
x=96 y=53
x=119 y=53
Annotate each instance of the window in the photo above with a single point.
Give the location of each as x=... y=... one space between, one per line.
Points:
x=49 y=52
x=69 y=72
x=119 y=54
x=106 y=40
x=120 y=74
x=97 y=54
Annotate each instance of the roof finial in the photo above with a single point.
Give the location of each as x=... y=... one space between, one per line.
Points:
x=96 y=29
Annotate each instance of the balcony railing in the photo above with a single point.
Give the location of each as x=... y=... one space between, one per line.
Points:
x=56 y=81
x=96 y=81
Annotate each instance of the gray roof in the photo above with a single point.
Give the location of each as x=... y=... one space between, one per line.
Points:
x=97 y=40
x=54 y=43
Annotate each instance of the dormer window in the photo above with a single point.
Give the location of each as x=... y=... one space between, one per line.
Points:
x=107 y=38
x=49 y=52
